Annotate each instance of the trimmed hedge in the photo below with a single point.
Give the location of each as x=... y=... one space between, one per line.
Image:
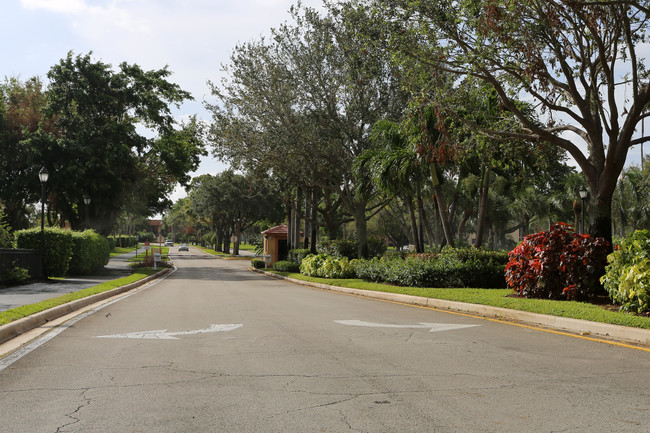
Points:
x=286 y=266
x=451 y=268
x=58 y=248
x=90 y=251
x=258 y=263
x=122 y=241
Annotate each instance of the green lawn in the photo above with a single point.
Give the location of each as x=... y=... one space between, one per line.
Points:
x=28 y=310
x=495 y=298
x=121 y=250
x=242 y=247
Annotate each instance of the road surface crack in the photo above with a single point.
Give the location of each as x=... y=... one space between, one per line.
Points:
x=73 y=415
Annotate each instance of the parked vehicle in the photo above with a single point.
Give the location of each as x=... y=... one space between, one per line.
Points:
x=169 y=243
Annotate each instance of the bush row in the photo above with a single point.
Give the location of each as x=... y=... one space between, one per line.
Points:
x=67 y=251
x=451 y=268
x=90 y=251
x=122 y=241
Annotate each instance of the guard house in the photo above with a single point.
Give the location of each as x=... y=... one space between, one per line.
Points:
x=275 y=243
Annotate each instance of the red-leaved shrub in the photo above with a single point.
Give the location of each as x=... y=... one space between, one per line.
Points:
x=557 y=264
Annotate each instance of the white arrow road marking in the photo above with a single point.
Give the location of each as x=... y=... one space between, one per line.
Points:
x=433 y=327
x=162 y=334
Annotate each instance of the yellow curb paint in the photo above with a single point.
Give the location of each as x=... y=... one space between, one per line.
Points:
x=502 y=321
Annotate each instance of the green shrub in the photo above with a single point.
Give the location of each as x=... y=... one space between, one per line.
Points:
x=324 y=266
x=90 y=251
x=124 y=241
x=58 y=248
x=286 y=266
x=558 y=264
x=627 y=277
x=258 y=263
x=296 y=255
x=451 y=268
x=15 y=275
x=348 y=247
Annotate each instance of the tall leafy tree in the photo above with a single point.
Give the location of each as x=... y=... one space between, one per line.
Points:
x=20 y=116
x=569 y=57
x=96 y=148
x=304 y=103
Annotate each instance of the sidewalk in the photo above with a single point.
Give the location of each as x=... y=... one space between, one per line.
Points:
x=17 y=296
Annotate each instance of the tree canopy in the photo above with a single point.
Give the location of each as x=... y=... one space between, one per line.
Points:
x=570 y=58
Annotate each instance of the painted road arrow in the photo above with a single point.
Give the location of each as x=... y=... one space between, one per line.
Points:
x=162 y=334
x=432 y=327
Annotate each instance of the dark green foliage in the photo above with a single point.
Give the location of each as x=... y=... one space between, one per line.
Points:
x=558 y=264
x=258 y=263
x=6 y=240
x=58 y=248
x=296 y=255
x=627 y=278
x=14 y=275
x=451 y=268
x=349 y=247
x=286 y=266
x=90 y=251
x=124 y=241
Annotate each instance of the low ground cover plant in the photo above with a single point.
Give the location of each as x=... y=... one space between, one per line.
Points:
x=326 y=266
x=627 y=277
x=558 y=264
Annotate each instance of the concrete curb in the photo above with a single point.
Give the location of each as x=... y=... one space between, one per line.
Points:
x=20 y=326
x=564 y=324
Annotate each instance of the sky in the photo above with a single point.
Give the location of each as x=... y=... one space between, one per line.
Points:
x=192 y=37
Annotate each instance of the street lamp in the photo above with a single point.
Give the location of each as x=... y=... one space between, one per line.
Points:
x=583 y=195
x=87 y=203
x=43 y=175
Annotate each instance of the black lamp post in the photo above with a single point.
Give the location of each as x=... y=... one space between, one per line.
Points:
x=583 y=195
x=43 y=175
x=87 y=203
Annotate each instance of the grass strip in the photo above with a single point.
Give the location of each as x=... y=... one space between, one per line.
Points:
x=121 y=250
x=494 y=298
x=27 y=310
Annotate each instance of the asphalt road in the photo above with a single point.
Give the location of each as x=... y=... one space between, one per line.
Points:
x=217 y=348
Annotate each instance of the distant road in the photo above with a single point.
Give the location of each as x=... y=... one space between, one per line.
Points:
x=217 y=348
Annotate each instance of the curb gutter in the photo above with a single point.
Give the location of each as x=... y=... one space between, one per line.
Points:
x=565 y=324
x=14 y=329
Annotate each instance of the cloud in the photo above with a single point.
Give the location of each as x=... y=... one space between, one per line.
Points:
x=61 y=6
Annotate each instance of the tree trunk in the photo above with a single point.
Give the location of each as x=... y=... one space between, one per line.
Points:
x=235 y=249
x=414 y=225
x=482 y=207
x=297 y=220
x=461 y=225
x=361 y=226
x=308 y=196
x=314 y=220
x=421 y=221
x=442 y=208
